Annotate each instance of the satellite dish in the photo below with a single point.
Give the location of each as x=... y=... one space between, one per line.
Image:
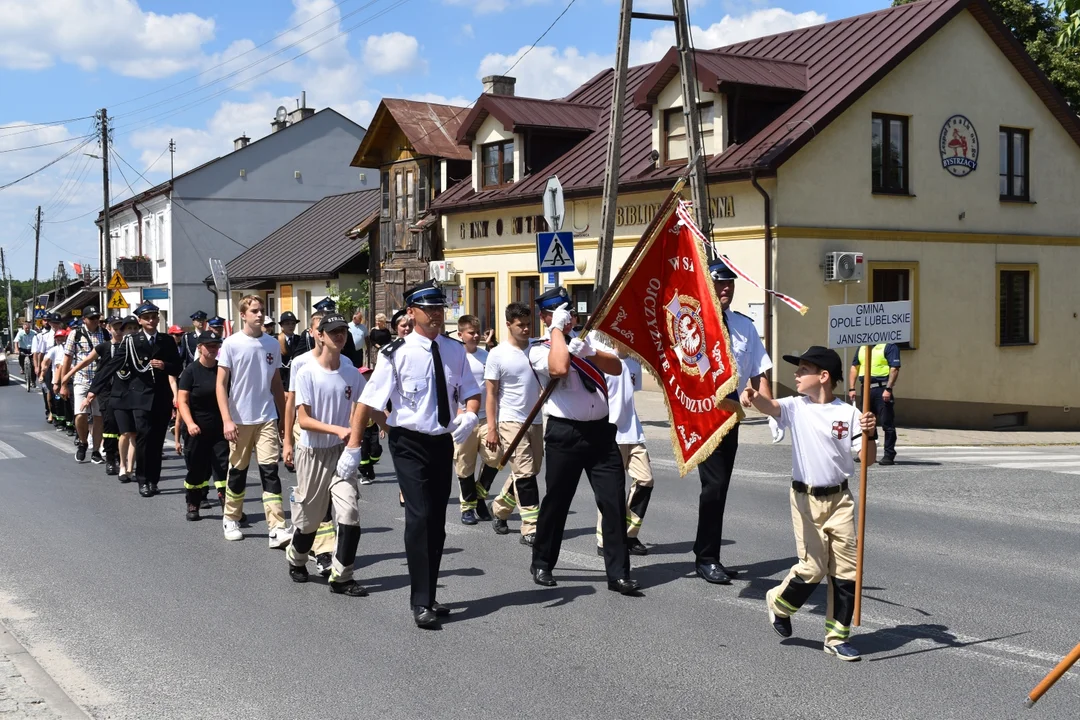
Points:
x=554 y=207
x=282 y=114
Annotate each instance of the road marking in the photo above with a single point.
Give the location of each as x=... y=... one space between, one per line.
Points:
x=671 y=464
x=9 y=453
x=58 y=441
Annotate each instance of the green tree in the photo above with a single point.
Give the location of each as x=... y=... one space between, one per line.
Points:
x=349 y=299
x=20 y=293
x=1051 y=36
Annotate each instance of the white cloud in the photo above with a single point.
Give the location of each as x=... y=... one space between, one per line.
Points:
x=467 y=31
x=392 y=52
x=546 y=72
x=726 y=32
x=481 y=7
x=116 y=34
x=437 y=99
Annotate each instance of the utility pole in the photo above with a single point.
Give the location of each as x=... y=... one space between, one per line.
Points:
x=172 y=156
x=611 y=178
x=37 y=249
x=106 y=237
x=692 y=115
x=10 y=309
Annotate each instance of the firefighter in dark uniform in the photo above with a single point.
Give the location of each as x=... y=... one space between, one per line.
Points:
x=189 y=343
x=144 y=402
x=423 y=376
x=578 y=438
x=290 y=344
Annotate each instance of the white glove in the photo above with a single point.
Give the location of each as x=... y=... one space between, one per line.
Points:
x=348 y=463
x=561 y=318
x=580 y=348
x=777 y=431
x=462 y=426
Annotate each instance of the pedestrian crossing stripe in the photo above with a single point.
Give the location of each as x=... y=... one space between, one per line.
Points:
x=9 y=453
x=57 y=440
x=999 y=457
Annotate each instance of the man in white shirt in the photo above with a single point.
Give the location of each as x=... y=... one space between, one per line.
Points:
x=715 y=471
x=474 y=492
x=327 y=390
x=630 y=437
x=43 y=343
x=512 y=391
x=251 y=400
x=420 y=376
x=579 y=438
x=359 y=333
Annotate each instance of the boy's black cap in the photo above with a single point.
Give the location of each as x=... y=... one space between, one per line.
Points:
x=209 y=338
x=825 y=358
x=332 y=322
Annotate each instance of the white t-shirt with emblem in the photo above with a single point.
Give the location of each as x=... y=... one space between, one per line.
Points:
x=477 y=361
x=303 y=360
x=253 y=362
x=821 y=437
x=329 y=396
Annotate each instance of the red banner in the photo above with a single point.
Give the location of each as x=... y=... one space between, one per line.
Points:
x=665 y=313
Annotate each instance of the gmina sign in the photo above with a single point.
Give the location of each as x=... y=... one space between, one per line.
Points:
x=869 y=324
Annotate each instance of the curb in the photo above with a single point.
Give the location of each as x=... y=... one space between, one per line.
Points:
x=37 y=679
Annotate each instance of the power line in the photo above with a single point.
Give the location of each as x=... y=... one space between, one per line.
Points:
x=31 y=127
x=40 y=145
x=47 y=165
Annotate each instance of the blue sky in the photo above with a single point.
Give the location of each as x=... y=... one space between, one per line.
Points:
x=204 y=72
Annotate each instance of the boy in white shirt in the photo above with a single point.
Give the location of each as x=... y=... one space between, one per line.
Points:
x=630 y=438
x=327 y=390
x=251 y=400
x=474 y=491
x=822 y=429
x=512 y=391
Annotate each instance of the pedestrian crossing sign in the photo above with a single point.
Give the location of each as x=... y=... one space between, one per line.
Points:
x=117 y=301
x=117 y=282
x=554 y=252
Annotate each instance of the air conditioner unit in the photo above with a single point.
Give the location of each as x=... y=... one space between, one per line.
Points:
x=843 y=267
x=442 y=271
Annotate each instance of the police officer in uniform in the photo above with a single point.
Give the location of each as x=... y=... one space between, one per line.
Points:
x=217 y=325
x=189 y=343
x=143 y=396
x=884 y=371
x=423 y=376
x=752 y=363
x=579 y=437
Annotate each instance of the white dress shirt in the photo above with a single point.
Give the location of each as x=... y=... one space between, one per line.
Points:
x=406 y=380
x=569 y=400
x=751 y=359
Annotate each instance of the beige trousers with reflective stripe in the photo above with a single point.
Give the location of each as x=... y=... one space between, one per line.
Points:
x=325 y=537
x=825 y=541
x=466 y=453
x=317 y=486
x=263 y=441
x=635 y=460
x=525 y=461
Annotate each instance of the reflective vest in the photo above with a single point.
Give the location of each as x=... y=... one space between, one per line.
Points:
x=879 y=366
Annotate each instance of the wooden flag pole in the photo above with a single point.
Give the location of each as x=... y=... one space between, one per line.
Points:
x=861 y=541
x=601 y=307
x=1048 y=682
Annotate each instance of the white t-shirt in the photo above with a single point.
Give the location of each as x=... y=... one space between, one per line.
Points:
x=477 y=361
x=253 y=362
x=44 y=341
x=329 y=395
x=55 y=355
x=621 y=411
x=303 y=360
x=518 y=387
x=821 y=437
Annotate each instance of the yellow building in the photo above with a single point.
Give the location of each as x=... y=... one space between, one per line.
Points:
x=920 y=137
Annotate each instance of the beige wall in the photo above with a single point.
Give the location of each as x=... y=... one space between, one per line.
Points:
x=491 y=130
x=671 y=97
x=958 y=71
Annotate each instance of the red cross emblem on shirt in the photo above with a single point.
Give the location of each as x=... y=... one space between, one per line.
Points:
x=269 y=358
x=839 y=430
x=348 y=392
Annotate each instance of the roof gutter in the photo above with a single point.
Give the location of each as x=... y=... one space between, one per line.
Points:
x=767 y=223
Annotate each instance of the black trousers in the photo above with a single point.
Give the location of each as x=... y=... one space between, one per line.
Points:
x=885 y=412
x=570 y=447
x=425 y=471
x=370 y=447
x=150 y=429
x=110 y=433
x=715 y=474
x=206 y=455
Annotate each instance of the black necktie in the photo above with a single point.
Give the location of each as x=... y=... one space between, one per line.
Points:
x=440 y=385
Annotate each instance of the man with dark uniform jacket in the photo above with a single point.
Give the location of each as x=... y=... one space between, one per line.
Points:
x=189 y=344
x=143 y=404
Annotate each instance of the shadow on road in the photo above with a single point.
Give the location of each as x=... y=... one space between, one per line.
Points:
x=889 y=639
x=548 y=597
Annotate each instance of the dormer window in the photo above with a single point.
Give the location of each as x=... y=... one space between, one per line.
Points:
x=675 y=152
x=497 y=160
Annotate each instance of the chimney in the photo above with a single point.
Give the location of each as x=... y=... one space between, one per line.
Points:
x=241 y=142
x=499 y=85
x=302 y=111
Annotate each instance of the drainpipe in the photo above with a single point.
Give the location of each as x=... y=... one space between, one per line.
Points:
x=138 y=225
x=768 y=260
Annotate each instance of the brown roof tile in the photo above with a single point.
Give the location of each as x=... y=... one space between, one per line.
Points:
x=842 y=60
x=314 y=244
x=518 y=112
x=431 y=129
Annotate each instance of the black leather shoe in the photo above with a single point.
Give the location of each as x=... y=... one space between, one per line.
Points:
x=350 y=587
x=193 y=512
x=298 y=573
x=424 y=617
x=154 y=488
x=636 y=547
x=886 y=461
x=624 y=586
x=439 y=609
x=500 y=527
x=600 y=551
x=713 y=573
x=528 y=539
x=542 y=577
x=728 y=571
x=482 y=512
x=145 y=491
x=126 y=478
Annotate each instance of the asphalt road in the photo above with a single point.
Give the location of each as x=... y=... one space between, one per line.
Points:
x=971 y=575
